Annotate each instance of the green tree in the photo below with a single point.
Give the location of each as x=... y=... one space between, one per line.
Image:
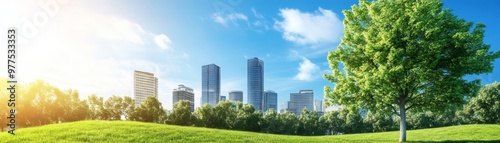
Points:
x=95 y=104
x=150 y=110
x=205 y=116
x=308 y=123
x=129 y=106
x=224 y=114
x=247 y=119
x=113 y=108
x=289 y=123
x=398 y=55
x=181 y=115
x=271 y=123
x=74 y=108
x=353 y=121
x=334 y=124
x=37 y=104
x=485 y=108
x=378 y=122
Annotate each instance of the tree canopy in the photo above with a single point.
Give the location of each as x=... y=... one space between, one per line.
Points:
x=150 y=110
x=485 y=108
x=398 y=55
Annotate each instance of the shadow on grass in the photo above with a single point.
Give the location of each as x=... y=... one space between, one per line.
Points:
x=459 y=141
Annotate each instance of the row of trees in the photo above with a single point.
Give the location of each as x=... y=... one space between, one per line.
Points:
x=39 y=103
x=225 y=115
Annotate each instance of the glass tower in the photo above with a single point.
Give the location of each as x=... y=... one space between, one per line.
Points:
x=301 y=100
x=210 y=84
x=236 y=96
x=270 y=101
x=255 y=79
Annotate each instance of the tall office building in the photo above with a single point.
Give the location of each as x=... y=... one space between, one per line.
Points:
x=318 y=107
x=301 y=100
x=210 y=84
x=270 y=101
x=235 y=96
x=255 y=85
x=183 y=93
x=284 y=107
x=145 y=84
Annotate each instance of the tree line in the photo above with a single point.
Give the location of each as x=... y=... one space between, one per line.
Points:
x=40 y=103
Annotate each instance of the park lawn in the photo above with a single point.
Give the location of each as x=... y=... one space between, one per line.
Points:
x=128 y=131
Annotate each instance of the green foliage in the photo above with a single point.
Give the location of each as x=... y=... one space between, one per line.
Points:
x=485 y=108
x=309 y=124
x=129 y=106
x=96 y=108
x=271 y=123
x=113 y=108
x=40 y=103
x=150 y=110
x=289 y=123
x=127 y=131
x=224 y=115
x=181 y=114
x=205 y=116
x=377 y=122
x=247 y=119
x=397 y=55
x=335 y=124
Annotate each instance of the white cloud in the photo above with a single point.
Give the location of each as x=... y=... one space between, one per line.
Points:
x=185 y=56
x=323 y=26
x=307 y=70
x=256 y=14
x=162 y=41
x=230 y=17
x=261 y=22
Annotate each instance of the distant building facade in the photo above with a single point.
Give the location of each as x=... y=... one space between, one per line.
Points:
x=270 y=101
x=255 y=82
x=145 y=84
x=183 y=93
x=318 y=107
x=301 y=100
x=284 y=107
x=222 y=98
x=210 y=84
x=235 y=96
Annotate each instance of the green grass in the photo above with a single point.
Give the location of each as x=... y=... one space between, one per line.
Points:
x=127 y=131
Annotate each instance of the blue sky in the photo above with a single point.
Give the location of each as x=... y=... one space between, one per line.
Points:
x=94 y=46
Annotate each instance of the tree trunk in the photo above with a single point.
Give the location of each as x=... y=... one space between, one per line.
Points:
x=402 y=122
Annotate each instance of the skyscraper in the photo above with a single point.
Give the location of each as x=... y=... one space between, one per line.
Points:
x=210 y=84
x=235 y=96
x=145 y=84
x=270 y=101
x=318 y=107
x=183 y=93
x=255 y=79
x=301 y=100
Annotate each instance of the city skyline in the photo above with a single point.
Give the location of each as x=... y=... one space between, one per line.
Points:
x=100 y=43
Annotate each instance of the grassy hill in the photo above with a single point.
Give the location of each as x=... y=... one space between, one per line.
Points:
x=127 y=131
